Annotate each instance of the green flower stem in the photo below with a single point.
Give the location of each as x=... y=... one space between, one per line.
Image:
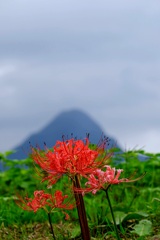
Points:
x=110 y=206
x=49 y=218
x=81 y=211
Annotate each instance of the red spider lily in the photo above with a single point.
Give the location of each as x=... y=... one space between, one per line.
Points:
x=102 y=179
x=42 y=200
x=58 y=201
x=70 y=157
x=39 y=201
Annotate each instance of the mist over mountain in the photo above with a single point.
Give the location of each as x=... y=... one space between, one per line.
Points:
x=67 y=123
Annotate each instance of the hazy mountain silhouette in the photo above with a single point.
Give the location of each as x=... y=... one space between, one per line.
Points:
x=67 y=123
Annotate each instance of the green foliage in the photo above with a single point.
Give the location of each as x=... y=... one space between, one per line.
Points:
x=122 y=217
x=143 y=228
x=135 y=204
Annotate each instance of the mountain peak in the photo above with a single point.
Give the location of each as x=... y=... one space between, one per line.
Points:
x=68 y=123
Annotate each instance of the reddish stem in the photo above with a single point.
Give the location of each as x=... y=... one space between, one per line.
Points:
x=81 y=211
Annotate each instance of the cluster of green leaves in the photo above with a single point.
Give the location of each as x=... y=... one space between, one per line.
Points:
x=136 y=204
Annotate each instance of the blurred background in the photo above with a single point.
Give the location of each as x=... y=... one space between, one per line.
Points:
x=101 y=57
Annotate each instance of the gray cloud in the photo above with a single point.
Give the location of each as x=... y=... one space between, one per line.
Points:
x=100 y=57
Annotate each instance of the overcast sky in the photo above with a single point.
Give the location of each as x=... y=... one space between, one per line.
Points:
x=102 y=57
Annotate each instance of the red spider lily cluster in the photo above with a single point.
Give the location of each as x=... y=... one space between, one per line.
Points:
x=75 y=159
x=70 y=157
x=44 y=200
x=102 y=179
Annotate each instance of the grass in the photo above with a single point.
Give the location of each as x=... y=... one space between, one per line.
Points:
x=136 y=205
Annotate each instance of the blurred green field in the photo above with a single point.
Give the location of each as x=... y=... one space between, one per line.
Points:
x=136 y=205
